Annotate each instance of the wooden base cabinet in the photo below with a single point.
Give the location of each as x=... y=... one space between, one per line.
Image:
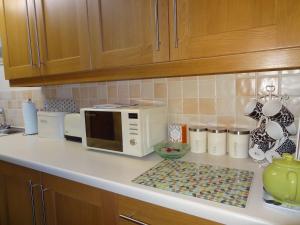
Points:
x=132 y=211
x=70 y=203
x=17 y=195
x=29 y=197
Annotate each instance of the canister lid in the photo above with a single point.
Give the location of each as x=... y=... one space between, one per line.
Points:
x=217 y=130
x=238 y=131
x=197 y=128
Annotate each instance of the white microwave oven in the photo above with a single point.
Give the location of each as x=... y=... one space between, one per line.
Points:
x=127 y=130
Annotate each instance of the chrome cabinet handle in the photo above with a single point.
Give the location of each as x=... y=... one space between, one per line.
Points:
x=29 y=34
x=175 y=23
x=133 y=220
x=31 y=187
x=37 y=36
x=156 y=15
x=43 y=190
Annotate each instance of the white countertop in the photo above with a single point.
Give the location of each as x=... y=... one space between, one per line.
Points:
x=114 y=173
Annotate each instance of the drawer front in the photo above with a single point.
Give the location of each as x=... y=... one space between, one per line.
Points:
x=133 y=211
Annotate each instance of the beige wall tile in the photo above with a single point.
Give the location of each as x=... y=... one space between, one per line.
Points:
x=174 y=89
x=93 y=92
x=84 y=92
x=135 y=90
x=290 y=85
x=241 y=103
x=226 y=121
x=190 y=88
x=293 y=105
x=123 y=91
x=147 y=90
x=170 y=79
x=190 y=78
x=160 y=90
x=27 y=95
x=208 y=120
x=245 y=122
x=207 y=88
x=64 y=92
x=207 y=106
x=246 y=75
x=112 y=91
x=190 y=106
x=268 y=73
x=160 y=80
x=245 y=87
x=175 y=105
x=208 y=99
x=225 y=86
x=102 y=91
x=225 y=106
x=207 y=77
x=262 y=82
x=76 y=93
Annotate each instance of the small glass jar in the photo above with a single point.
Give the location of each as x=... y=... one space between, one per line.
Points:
x=238 y=142
x=198 y=137
x=216 y=138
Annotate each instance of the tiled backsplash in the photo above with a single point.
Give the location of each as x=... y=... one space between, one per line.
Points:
x=213 y=99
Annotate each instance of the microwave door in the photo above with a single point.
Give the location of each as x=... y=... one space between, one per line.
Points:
x=104 y=130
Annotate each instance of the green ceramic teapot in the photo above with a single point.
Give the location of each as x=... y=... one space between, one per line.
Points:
x=282 y=179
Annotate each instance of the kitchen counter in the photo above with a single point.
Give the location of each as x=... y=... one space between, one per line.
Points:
x=114 y=173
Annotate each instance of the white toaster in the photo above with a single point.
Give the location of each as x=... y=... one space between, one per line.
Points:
x=73 y=130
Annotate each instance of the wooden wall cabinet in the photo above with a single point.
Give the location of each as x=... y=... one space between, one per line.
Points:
x=130 y=32
x=210 y=28
x=18 y=41
x=133 y=39
x=44 y=37
x=63 y=36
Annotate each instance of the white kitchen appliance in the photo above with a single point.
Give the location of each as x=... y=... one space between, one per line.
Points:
x=73 y=130
x=30 y=117
x=51 y=124
x=131 y=130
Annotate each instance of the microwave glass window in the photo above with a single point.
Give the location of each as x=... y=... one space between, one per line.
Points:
x=104 y=130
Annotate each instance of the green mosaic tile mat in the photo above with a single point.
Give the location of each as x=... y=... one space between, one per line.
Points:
x=218 y=184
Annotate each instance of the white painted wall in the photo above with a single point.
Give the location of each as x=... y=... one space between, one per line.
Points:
x=4 y=84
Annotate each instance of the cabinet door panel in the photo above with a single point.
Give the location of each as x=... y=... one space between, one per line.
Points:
x=16 y=32
x=64 y=36
x=68 y=202
x=128 y=32
x=208 y=28
x=15 y=194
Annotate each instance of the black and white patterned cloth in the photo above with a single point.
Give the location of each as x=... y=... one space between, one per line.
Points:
x=60 y=105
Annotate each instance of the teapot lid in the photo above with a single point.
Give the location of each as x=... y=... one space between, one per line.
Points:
x=287 y=160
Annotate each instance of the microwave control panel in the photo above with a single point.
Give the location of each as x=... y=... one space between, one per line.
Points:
x=133 y=128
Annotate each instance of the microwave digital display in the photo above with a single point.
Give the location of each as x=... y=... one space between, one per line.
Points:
x=104 y=130
x=132 y=115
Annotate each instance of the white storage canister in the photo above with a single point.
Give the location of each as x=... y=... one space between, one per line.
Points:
x=198 y=137
x=238 y=142
x=216 y=138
